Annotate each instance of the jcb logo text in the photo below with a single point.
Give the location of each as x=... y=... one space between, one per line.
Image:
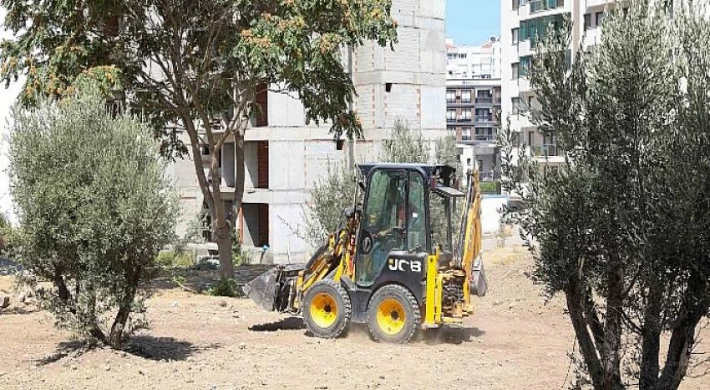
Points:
x=405 y=265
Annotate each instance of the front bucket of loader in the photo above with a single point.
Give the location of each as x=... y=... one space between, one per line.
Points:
x=271 y=289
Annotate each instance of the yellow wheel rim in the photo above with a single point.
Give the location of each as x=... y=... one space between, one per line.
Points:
x=324 y=310
x=390 y=316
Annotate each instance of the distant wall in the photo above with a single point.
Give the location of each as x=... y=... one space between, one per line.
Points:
x=491 y=206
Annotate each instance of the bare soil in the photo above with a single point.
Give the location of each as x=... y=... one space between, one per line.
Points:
x=514 y=341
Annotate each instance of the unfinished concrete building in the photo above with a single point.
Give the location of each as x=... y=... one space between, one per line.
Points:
x=284 y=157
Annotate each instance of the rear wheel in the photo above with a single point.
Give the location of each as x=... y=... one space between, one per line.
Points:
x=326 y=309
x=393 y=315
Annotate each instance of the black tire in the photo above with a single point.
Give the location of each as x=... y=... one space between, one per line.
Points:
x=319 y=317
x=408 y=305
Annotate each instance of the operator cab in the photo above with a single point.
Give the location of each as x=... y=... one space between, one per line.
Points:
x=406 y=216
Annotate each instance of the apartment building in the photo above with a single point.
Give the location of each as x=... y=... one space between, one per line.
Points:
x=470 y=62
x=520 y=21
x=284 y=156
x=473 y=101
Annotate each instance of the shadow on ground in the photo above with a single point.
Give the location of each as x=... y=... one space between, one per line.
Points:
x=451 y=335
x=18 y=310
x=290 y=323
x=147 y=347
x=163 y=348
x=65 y=349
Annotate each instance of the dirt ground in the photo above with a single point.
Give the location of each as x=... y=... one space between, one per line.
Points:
x=514 y=341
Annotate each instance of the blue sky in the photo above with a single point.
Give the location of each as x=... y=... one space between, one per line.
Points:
x=472 y=22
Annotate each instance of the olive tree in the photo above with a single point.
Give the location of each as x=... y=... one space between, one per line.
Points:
x=94 y=206
x=620 y=228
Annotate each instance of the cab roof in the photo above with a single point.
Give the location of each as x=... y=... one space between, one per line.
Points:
x=445 y=174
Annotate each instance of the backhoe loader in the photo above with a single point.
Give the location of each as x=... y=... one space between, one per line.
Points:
x=382 y=267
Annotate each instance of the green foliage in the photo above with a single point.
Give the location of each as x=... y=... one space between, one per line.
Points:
x=404 y=146
x=620 y=228
x=172 y=259
x=489 y=187
x=240 y=256
x=237 y=44
x=224 y=288
x=95 y=209
x=323 y=212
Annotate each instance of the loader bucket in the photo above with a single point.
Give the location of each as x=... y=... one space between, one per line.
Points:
x=262 y=289
x=270 y=290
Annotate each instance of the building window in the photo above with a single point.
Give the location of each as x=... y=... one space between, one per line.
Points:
x=535 y=29
x=516 y=5
x=524 y=66
x=600 y=18
x=450 y=96
x=450 y=115
x=262 y=155
x=484 y=134
x=466 y=115
x=515 y=32
x=516 y=105
x=515 y=67
x=466 y=96
x=587 y=21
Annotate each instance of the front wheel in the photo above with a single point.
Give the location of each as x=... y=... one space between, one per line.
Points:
x=393 y=315
x=326 y=309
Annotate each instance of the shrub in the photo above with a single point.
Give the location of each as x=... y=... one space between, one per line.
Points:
x=224 y=288
x=95 y=209
x=173 y=259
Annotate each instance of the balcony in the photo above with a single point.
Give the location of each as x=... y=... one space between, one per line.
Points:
x=484 y=118
x=485 y=138
x=459 y=103
x=544 y=5
x=598 y=3
x=591 y=37
x=484 y=100
x=524 y=48
x=545 y=150
x=523 y=84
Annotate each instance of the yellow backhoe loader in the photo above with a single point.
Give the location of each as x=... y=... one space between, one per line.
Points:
x=382 y=267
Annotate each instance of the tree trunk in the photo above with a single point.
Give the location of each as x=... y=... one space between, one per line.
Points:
x=592 y=318
x=695 y=307
x=586 y=344
x=611 y=356
x=115 y=337
x=651 y=344
x=219 y=216
x=224 y=246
